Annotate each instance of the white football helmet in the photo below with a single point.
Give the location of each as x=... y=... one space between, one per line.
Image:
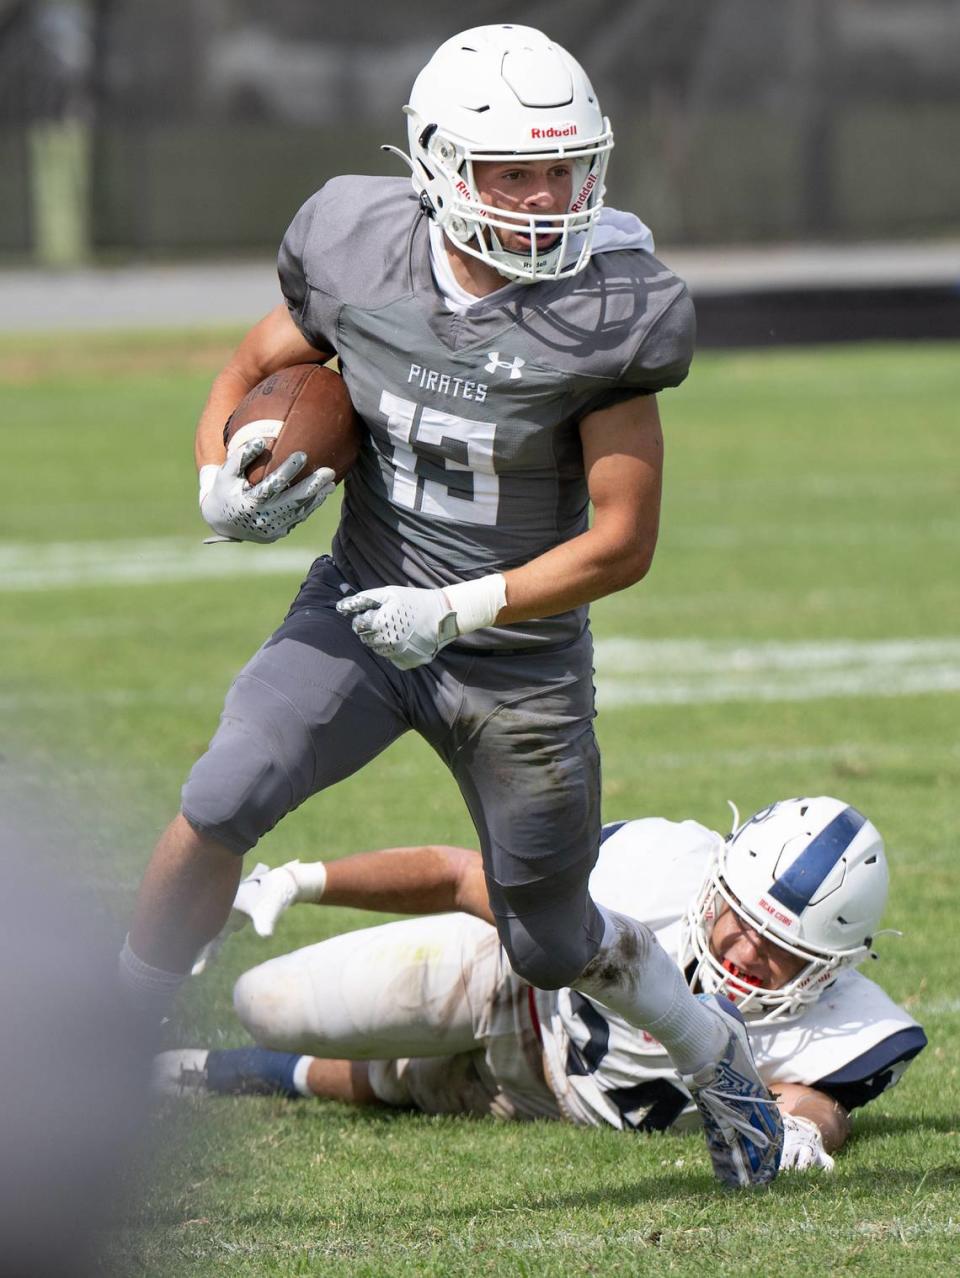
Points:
x=507 y=91
x=810 y=874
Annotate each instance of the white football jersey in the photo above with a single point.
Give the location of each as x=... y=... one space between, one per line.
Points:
x=853 y=1043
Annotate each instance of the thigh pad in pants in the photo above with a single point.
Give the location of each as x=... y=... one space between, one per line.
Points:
x=310 y=708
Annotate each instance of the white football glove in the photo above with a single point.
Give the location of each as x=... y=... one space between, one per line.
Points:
x=265 y=897
x=410 y=626
x=238 y=511
x=407 y=625
x=803 y=1146
x=262 y=897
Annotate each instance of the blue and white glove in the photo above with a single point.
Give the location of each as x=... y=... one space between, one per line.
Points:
x=409 y=625
x=264 y=512
x=803 y=1146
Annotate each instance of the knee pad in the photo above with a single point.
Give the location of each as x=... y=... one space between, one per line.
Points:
x=237 y=791
x=551 y=948
x=259 y=766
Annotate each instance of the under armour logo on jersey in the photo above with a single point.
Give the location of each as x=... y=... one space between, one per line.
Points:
x=496 y=362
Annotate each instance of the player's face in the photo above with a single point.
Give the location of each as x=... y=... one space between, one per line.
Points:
x=529 y=187
x=750 y=957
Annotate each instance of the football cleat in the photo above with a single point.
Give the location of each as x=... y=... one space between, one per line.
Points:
x=741 y=1120
x=179 y=1073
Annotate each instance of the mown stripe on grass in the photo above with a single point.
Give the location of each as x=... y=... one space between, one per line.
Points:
x=64 y=564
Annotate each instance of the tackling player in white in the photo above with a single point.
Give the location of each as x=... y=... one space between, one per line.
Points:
x=776 y=917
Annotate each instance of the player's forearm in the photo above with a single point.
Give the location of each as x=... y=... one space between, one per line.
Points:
x=807 y=1102
x=623 y=463
x=274 y=343
x=430 y=879
x=587 y=568
x=226 y=393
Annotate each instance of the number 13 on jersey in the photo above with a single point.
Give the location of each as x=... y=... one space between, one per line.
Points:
x=469 y=490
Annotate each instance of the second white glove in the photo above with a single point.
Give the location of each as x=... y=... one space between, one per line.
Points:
x=803 y=1146
x=407 y=625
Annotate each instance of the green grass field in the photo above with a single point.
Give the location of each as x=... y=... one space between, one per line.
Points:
x=800 y=633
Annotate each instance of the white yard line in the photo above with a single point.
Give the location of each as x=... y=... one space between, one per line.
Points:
x=61 y=565
x=686 y=672
x=630 y=671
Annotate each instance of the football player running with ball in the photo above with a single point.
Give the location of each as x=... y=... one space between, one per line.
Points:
x=427 y=1013
x=503 y=337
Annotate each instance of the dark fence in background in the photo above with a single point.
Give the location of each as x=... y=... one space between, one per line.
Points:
x=131 y=128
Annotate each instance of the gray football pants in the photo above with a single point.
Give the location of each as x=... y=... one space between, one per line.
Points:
x=516 y=730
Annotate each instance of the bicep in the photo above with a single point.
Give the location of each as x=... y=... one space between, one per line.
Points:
x=623 y=463
x=272 y=344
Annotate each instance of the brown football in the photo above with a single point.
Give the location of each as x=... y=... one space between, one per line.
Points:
x=303 y=408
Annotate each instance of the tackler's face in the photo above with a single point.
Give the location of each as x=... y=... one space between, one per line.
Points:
x=751 y=959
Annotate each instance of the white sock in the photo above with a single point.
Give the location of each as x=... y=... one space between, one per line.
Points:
x=148 y=989
x=634 y=976
x=300 y=1071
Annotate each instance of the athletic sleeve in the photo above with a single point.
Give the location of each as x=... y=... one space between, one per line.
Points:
x=875 y=1071
x=312 y=310
x=662 y=359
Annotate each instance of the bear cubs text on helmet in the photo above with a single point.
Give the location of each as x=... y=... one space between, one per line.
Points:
x=810 y=874
x=508 y=92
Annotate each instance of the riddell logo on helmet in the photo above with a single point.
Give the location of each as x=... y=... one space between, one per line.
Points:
x=585 y=190
x=554 y=131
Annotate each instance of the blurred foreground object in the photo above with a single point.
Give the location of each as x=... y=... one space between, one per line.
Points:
x=71 y=1074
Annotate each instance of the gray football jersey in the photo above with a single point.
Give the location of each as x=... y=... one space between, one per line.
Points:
x=472 y=462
